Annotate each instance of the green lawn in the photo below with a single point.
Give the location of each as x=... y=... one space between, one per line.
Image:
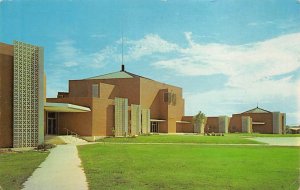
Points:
x=15 y=168
x=175 y=166
x=227 y=139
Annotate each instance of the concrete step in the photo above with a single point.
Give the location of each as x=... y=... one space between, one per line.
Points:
x=53 y=139
x=69 y=139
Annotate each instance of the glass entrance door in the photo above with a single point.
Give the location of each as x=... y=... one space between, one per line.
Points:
x=52 y=127
x=154 y=127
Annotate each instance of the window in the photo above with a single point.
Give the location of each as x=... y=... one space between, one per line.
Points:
x=166 y=97
x=95 y=90
x=170 y=98
x=173 y=99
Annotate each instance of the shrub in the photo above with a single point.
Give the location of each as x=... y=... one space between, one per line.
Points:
x=45 y=147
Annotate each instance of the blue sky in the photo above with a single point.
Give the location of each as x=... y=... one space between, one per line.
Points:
x=227 y=55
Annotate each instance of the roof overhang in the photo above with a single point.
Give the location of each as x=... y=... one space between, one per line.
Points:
x=157 y=120
x=295 y=128
x=64 y=107
x=258 y=123
x=186 y=122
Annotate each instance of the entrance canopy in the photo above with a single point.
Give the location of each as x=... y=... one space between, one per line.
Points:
x=157 y=120
x=258 y=123
x=295 y=128
x=64 y=107
x=185 y=122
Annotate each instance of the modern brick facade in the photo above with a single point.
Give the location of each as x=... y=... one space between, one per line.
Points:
x=164 y=102
x=114 y=104
x=256 y=120
x=21 y=95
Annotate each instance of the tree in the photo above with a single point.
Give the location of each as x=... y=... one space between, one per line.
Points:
x=199 y=122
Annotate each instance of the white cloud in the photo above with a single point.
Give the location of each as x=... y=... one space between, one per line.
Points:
x=251 y=70
x=70 y=64
x=101 y=58
x=260 y=23
x=148 y=45
x=67 y=53
x=71 y=56
x=244 y=64
x=256 y=72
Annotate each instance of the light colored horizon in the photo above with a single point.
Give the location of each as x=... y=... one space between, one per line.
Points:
x=227 y=56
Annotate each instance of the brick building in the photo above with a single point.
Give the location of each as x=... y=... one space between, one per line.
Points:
x=21 y=95
x=256 y=120
x=121 y=103
x=114 y=104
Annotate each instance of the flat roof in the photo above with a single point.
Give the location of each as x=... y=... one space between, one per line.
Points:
x=258 y=123
x=187 y=122
x=64 y=107
x=157 y=120
x=295 y=128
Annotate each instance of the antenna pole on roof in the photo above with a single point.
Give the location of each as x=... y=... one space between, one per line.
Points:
x=122 y=67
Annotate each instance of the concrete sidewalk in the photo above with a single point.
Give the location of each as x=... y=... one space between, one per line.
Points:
x=60 y=171
x=279 y=141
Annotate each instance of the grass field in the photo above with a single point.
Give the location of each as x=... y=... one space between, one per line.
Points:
x=175 y=166
x=15 y=168
x=227 y=139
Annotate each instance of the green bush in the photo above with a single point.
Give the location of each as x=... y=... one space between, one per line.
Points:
x=45 y=147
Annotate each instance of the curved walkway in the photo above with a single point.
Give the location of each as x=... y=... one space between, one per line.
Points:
x=279 y=141
x=182 y=143
x=60 y=171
